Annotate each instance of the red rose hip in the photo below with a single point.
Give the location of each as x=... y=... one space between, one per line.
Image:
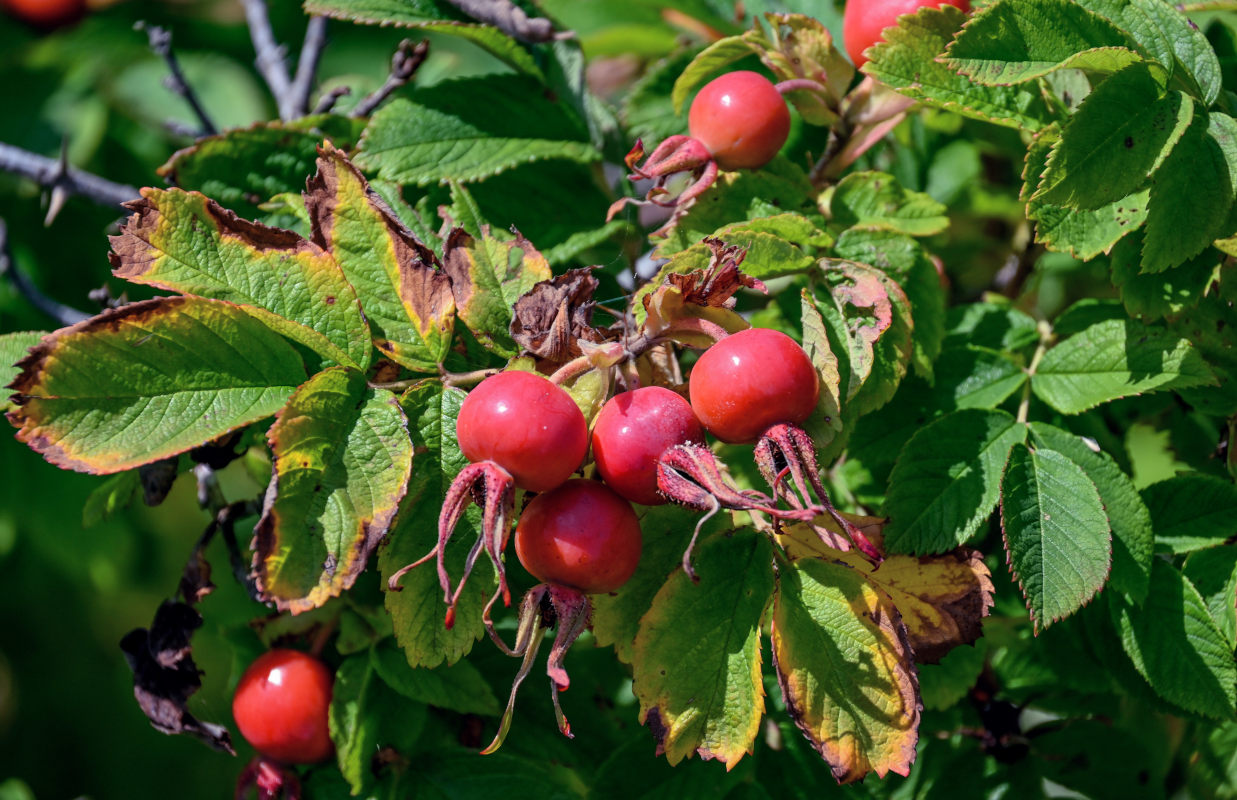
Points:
x=864 y=21
x=581 y=535
x=281 y=706
x=741 y=119
x=632 y=430
x=525 y=424
x=751 y=381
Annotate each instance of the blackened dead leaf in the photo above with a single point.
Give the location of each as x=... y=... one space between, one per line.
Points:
x=157 y=479
x=165 y=676
x=550 y=320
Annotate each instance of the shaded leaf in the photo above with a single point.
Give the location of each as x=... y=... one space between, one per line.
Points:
x=364 y=714
x=459 y=687
x=1214 y=573
x=1056 y=533
x=1192 y=511
x=186 y=242
x=844 y=664
x=947 y=480
x=149 y=380
x=341 y=459
x=701 y=692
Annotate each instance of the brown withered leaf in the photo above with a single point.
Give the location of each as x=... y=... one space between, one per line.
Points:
x=165 y=675
x=942 y=598
x=551 y=319
x=716 y=285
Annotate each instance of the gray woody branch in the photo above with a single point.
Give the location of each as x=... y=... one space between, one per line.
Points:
x=404 y=65
x=65 y=315
x=161 y=44
x=509 y=19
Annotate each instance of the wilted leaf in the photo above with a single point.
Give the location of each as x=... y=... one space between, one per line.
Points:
x=342 y=458
x=150 y=380
x=844 y=664
x=554 y=315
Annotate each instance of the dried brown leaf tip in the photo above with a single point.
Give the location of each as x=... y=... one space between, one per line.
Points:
x=716 y=285
x=550 y=320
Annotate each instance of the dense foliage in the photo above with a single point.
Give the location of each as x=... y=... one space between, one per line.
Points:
x=965 y=347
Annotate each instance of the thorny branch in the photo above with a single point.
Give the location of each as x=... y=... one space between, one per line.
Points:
x=509 y=19
x=307 y=65
x=161 y=45
x=270 y=56
x=59 y=176
x=404 y=65
x=63 y=314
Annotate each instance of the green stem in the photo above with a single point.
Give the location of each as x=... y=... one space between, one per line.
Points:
x=1045 y=338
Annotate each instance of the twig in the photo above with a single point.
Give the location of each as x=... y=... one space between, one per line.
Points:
x=65 y=315
x=404 y=65
x=327 y=101
x=307 y=65
x=270 y=55
x=509 y=19
x=59 y=175
x=160 y=40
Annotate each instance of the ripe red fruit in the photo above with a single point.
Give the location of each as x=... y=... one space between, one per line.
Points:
x=865 y=20
x=741 y=119
x=281 y=706
x=751 y=381
x=45 y=13
x=525 y=424
x=632 y=430
x=581 y=535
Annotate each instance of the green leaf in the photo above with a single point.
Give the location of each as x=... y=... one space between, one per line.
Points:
x=1209 y=327
x=826 y=421
x=1167 y=35
x=947 y=480
x=1192 y=511
x=1115 y=358
x=1056 y=533
x=1083 y=234
x=1011 y=41
x=245 y=167
x=1095 y=758
x=362 y=714
x=341 y=458
x=1122 y=133
x=1154 y=295
x=460 y=687
x=114 y=494
x=1214 y=573
x=1192 y=194
x=186 y=242
x=994 y=325
x=712 y=60
x=407 y=301
x=845 y=668
x=906 y=62
x=430 y=16
x=945 y=684
x=1177 y=647
x=487 y=277
x=445 y=773
x=975 y=377
x=418 y=609
x=696 y=662
x=13 y=348
x=1132 y=538
x=469 y=129
x=150 y=380
x=875 y=201
x=666 y=531
x=904 y=259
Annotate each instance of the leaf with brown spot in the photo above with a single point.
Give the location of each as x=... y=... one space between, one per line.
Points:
x=186 y=242
x=149 y=380
x=684 y=298
x=844 y=664
x=555 y=315
x=342 y=459
x=406 y=296
x=488 y=276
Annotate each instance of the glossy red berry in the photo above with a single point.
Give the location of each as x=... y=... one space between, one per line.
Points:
x=632 y=430
x=751 y=381
x=46 y=14
x=741 y=119
x=865 y=20
x=581 y=535
x=281 y=706
x=525 y=424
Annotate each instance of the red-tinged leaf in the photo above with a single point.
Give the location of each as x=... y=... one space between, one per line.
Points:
x=844 y=663
x=186 y=242
x=342 y=459
x=149 y=380
x=488 y=276
x=696 y=660
x=406 y=296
